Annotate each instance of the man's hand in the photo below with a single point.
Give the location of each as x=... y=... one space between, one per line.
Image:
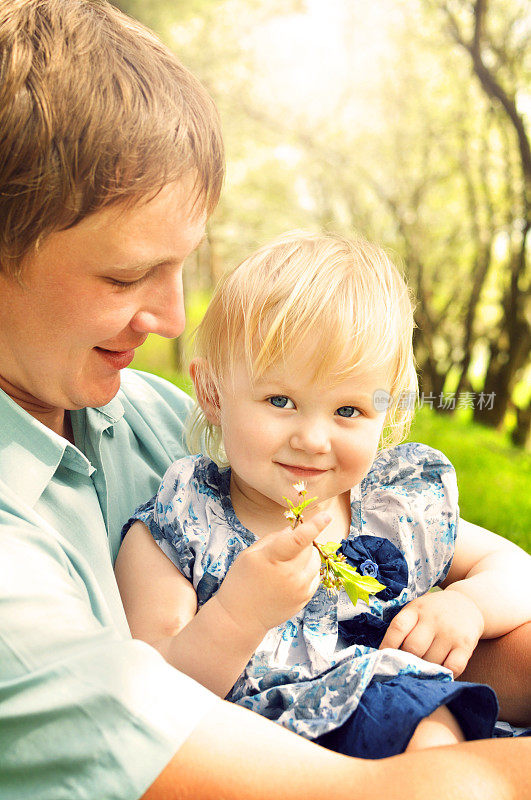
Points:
x=441 y=627
x=274 y=578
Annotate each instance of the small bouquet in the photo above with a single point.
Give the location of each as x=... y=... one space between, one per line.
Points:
x=336 y=572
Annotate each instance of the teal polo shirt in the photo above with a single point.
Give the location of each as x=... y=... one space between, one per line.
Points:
x=85 y=710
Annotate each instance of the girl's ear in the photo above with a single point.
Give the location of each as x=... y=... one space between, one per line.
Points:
x=205 y=390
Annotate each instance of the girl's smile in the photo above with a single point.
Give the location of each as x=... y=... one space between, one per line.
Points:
x=302 y=472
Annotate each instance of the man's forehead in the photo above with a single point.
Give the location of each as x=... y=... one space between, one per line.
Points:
x=124 y=242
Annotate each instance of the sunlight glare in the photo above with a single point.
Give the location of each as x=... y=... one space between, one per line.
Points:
x=327 y=59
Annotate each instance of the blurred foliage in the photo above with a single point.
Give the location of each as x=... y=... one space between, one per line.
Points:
x=404 y=122
x=493 y=476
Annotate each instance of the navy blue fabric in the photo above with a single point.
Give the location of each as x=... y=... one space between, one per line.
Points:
x=366 y=629
x=389 y=711
x=380 y=558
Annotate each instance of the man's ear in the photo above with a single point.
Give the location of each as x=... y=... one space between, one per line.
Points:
x=205 y=390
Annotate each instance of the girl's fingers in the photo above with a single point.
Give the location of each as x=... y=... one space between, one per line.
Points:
x=287 y=544
x=439 y=651
x=419 y=640
x=457 y=660
x=400 y=628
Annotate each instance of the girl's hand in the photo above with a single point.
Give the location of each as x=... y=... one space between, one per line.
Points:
x=441 y=627
x=273 y=578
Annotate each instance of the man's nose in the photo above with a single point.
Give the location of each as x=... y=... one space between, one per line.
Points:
x=163 y=312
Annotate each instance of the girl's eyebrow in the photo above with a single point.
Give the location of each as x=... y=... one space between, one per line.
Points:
x=270 y=379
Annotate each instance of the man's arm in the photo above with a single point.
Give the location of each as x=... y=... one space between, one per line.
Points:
x=237 y=755
x=505 y=664
x=82 y=705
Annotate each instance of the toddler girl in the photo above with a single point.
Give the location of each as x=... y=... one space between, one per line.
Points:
x=304 y=371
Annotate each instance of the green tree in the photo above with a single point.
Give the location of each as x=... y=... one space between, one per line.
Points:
x=494 y=36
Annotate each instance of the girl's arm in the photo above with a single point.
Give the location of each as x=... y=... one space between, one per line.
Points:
x=267 y=584
x=496 y=575
x=161 y=608
x=157 y=598
x=486 y=594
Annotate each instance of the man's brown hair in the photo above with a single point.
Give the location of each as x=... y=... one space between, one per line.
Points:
x=94 y=110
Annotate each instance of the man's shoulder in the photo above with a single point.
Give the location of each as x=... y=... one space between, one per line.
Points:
x=143 y=387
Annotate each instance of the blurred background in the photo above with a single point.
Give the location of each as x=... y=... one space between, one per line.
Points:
x=407 y=122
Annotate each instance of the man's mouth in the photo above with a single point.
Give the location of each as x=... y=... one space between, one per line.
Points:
x=117 y=359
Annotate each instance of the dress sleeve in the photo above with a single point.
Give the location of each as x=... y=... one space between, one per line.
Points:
x=85 y=710
x=172 y=518
x=410 y=498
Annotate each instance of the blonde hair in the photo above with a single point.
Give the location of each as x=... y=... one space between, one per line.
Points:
x=347 y=295
x=94 y=110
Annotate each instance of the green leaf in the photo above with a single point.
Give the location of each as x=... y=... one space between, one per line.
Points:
x=298 y=509
x=367 y=585
x=302 y=505
x=370 y=584
x=351 y=590
x=345 y=570
x=329 y=549
x=364 y=585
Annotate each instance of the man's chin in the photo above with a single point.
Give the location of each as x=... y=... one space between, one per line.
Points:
x=96 y=396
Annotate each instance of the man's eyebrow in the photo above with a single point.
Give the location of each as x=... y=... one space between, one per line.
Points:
x=146 y=266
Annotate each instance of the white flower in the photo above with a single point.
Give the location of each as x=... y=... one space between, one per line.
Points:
x=290 y=515
x=300 y=487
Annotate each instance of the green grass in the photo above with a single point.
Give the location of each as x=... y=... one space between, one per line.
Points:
x=494 y=477
x=155 y=356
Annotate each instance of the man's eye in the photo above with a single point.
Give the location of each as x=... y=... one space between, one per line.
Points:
x=281 y=401
x=348 y=411
x=126 y=284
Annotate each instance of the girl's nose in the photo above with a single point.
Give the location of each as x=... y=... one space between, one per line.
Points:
x=311 y=437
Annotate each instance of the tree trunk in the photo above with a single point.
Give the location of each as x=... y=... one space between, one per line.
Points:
x=177 y=354
x=521 y=433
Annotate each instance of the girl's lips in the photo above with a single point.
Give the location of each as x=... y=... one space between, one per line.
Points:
x=303 y=472
x=117 y=359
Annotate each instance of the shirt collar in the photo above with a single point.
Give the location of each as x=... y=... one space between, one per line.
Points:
x=30 y=452
x=103 y=419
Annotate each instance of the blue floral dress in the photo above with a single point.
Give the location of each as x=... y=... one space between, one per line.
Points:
x=311 y=673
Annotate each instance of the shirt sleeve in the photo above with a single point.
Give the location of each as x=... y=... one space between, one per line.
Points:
x=177 y=520
x=85 y=711
x=410 y=496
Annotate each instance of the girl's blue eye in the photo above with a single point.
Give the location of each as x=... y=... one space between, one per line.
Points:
x=348 y=411
x=281 y=401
